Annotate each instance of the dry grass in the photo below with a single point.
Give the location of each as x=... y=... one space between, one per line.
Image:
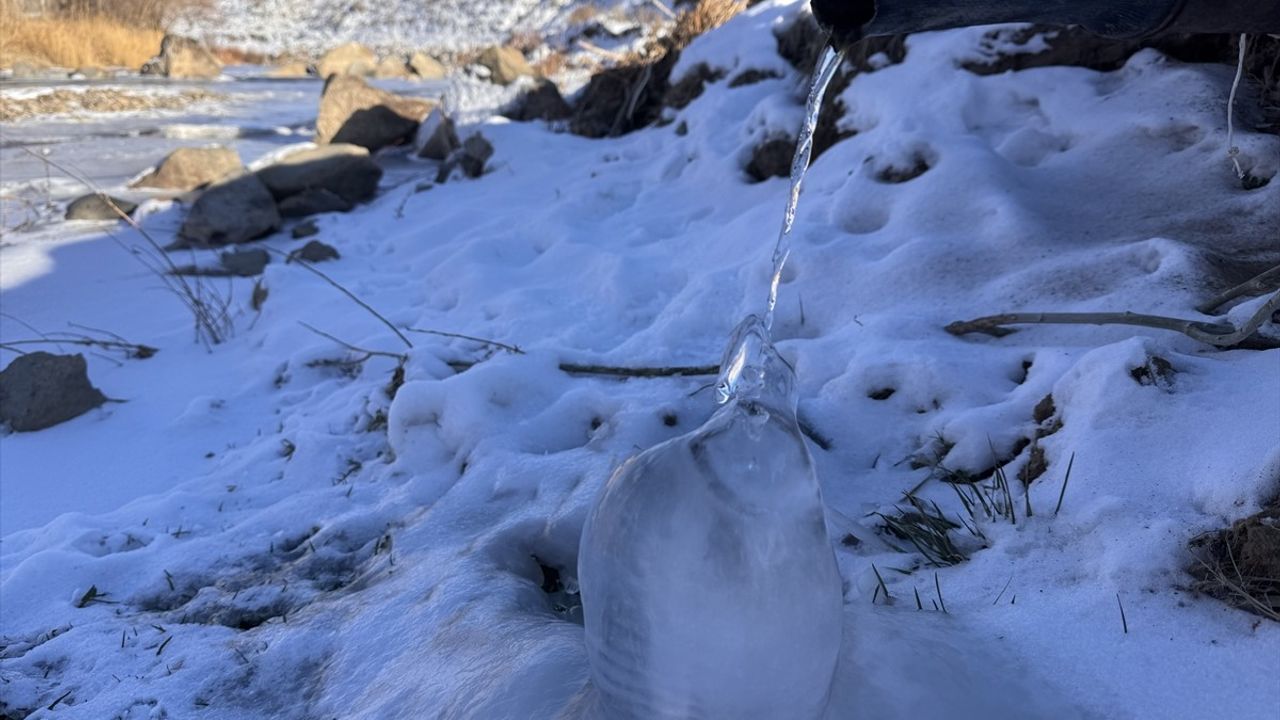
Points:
x=75 y=43
x=706 y=15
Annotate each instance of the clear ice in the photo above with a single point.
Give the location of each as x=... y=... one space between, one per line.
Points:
x=709 y=585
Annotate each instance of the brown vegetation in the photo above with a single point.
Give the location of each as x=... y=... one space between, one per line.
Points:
x=75 y=43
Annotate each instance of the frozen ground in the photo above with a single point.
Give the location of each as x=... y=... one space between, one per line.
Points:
x=276 y=537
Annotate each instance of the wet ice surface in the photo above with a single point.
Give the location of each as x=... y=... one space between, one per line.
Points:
x=280 y=539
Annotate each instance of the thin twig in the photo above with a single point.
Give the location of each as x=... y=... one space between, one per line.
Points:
x=1263 y=282
x=1222 y=335
x=349 y=294
x=514 y=349
x=1124 y=622
x=133 y=350
x=1065 y=479
x=639 y=372
x=355 y=348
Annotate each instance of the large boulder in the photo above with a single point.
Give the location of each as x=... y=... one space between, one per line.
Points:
x=427 y=67
x=505 y=64
x=233 y=211
x=189 y=168
x=391 y=68
x=437 y=136
x=352 y=112
x=346 y=171
x=541 y=102
x=40 y=390
x=350 y=59
x=184 y=59
x=313 y=201
x=99 y=206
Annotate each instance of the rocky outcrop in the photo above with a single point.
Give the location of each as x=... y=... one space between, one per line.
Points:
x=427 y=67
x=190 y=168
x=542 y=102
x=182 y=58
x=40 y=390
x=98 y=206
x=349 y=59
x=345 y=171
x=352 y=112
x=232 y=211
x=505 y=64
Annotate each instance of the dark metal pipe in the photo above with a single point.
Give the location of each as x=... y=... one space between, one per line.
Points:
x=849 y=20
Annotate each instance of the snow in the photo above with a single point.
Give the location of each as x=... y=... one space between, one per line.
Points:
x=278 y=538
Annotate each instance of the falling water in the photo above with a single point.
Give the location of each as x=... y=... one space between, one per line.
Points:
x=709 y=584
x=822 y=74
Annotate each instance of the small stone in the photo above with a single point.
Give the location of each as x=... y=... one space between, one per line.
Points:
x=313 y=201
x=315 y=251
x=245 y=263
x=437 y=136
x=305 y=230
x=40 y=390
x=97 y=206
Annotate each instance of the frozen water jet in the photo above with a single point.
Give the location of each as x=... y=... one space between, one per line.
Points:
x=709 y=586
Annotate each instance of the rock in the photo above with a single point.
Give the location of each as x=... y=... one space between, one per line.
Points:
x=189 y=168
x=345 y=170
x=314 y=252
x=391 y=67
x=233 y=211
x=183 y=58
x=542 y=102
x=312 y=201
x=305 y=230
x=437 y=136
x=771 y=158
x=290 y=71
x=90 y=73
x=40 y=390
x=599 y=109
x=690 y=85
x=29 y=70
x=97 y=206
x=471 y=158
x=427 y=67
x=352 y=112
x=245 y=263
x=505 y=64
x=350 y=59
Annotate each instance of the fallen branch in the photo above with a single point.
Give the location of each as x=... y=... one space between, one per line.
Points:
x=1222 y=335
x=509 y=348
x=133 y=350
x=356 y=348
x=348 y=293
x=1264 y=282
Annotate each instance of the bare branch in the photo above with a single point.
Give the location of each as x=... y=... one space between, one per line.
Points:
x=346 y=292
x=1222 y=335
x=509 y=348
x=355 y=348
x=1264 y=282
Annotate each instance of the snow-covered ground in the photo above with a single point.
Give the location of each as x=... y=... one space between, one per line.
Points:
x=272 y=535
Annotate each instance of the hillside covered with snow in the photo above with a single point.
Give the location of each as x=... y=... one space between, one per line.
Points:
x=366 y=500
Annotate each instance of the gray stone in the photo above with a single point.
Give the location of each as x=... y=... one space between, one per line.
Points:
x=97 y=206
x=245 y=263
x=470 y=158
x=352 y=112
x=344 y=170
x=312 y=201
x=183 y=58
x=542 y=102
x=305 y=230
x=233 y=211
x=193 y=167
x=315 y=251
x=40 y=390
